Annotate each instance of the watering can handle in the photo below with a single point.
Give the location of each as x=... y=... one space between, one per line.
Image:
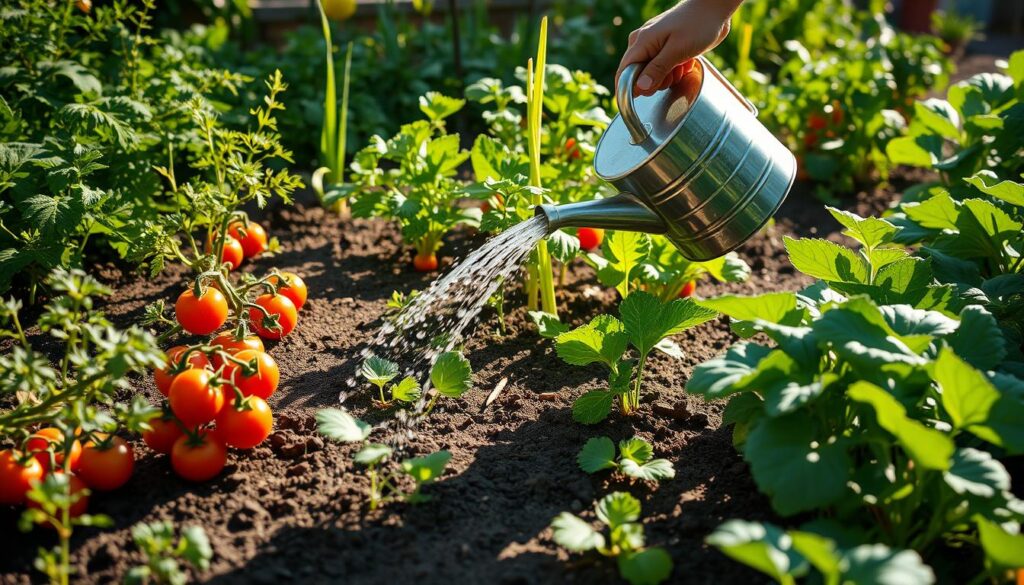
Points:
x=640 y=131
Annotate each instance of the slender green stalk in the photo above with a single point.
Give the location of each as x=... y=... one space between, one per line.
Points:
x=535 y=108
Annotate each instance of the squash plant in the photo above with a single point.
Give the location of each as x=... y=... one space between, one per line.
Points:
x=970 y=223
x=883 y=405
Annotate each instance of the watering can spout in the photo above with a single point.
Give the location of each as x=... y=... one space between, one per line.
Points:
x=621 y=212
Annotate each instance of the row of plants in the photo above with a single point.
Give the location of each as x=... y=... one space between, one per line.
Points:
x=875 y=406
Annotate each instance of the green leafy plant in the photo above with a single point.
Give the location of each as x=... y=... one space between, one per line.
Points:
x=80 y=396
x=620 y=513
x=385 y=478
x=645 y=322
x=450 y=376
x=163 y=556
x=419 y=194
x=636 y=459
x=884 y=402
x=970 y=223
x=90 y=102
x=786 y=555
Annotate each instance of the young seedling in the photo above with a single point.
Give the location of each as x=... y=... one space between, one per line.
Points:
x=340 y=426
x=164 y=557
x=620 y=512
x=635 y=459
x=379 y=372
x=645 y=323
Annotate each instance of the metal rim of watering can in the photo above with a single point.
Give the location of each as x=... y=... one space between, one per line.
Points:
x=639 y=131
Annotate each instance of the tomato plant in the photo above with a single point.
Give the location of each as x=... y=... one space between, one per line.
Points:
x=273 y=316
x=196 y=397
x=250 y=236
x=163 y=377
x=253 y=372
x=199 y=457
x=47 y=445
x=162 y=554
x=107 y=463
x=203 y=312
x=245 y=423
x=17 y=472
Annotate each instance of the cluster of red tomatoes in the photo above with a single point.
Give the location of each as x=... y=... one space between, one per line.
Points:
x=102 y=464
x=244 y=240
x=225 y=384
x=206 y=313
x=823 y=125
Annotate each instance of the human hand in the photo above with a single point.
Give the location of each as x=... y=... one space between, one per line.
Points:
x=667 y=42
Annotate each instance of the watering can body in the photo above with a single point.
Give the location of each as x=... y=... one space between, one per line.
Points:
x=691 y=161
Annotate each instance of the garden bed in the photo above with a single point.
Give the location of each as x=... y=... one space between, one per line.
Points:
x=295 y=508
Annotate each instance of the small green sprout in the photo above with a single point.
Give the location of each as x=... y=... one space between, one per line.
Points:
x=635 y=459
x=162 y=554
x=620 y=512
x=340 y=426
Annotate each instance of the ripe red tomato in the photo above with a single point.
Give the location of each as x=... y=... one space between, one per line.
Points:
x=233 y=253
x=279 y=305
x=80 y=505
x=16 y=478
x=244 y=429
x=199 y=458
x=293 y=287
x=572 y=149
x=590 y=238
x=810 y=139
x=816 y=121
x=39 y=444
x=163 y=378
x=231 y=345
x=424 y=262
x=193 y=399
x=263 y=382
x=107 y=468
x=252 y=237
x=688 y=289
x=162 y=434
x=202 y=315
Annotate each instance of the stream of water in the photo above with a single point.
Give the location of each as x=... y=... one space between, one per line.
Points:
x=439 y=318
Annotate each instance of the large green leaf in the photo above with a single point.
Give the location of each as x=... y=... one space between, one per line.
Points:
x=648 y=320
x=978 y=340
x=879 y=565
x=977 y=473
x=624 y=253
x=771 y=307
x=602 y=340
x=1002 y=549
x=797 y=469
x=716 y=378
x=618 y=508
x=826 y=260
x=989 y=183
x=764 y=547
x=592 y=407
x=451 y=374
x=871 y=232
x=929 y=448
x=338 y=425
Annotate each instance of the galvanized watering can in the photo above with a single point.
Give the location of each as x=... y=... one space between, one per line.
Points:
x=691 y=161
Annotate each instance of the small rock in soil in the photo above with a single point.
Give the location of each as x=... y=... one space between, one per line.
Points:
x=314 y=443
x=677 y=411
x=298 y=470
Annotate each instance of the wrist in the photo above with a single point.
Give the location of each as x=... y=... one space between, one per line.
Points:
x=719 y=9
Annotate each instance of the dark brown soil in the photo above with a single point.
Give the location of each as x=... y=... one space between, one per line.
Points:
x=295 y=508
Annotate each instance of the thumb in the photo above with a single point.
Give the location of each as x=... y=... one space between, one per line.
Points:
x=654 y=73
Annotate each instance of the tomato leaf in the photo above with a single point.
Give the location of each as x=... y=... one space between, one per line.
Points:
x=573 y=533
x=597 y=453
x=592 y=407
x=338 y=425
x=427 y=468
x=618 y=508
x=646 y=567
